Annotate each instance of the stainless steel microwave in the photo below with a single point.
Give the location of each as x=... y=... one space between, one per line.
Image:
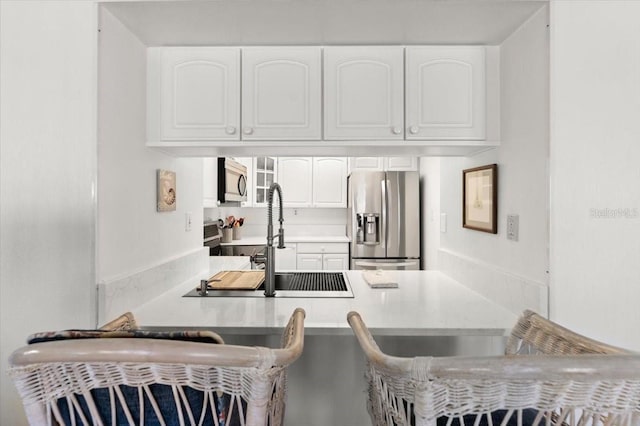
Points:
x=232 y=180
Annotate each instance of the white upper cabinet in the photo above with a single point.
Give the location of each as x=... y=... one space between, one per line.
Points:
x=379 y=164
x=194 y=93
x=209 y=182
x=374 y=164
x=313 y=182
x=445 y=92
x=395 y=164
x=281 y=93
x=290 y=99
x=363 y=92
x=295 y=178
x=329 y=182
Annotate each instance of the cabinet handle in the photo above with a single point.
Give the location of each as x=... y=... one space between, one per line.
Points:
x=396 y=130
x=248 y=130
x=414 y=130
x=230 y=130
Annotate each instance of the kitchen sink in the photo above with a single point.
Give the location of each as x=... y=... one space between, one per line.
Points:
x=294 y=284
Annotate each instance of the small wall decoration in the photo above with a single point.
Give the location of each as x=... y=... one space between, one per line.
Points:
x=480 y=198
x=166 y=190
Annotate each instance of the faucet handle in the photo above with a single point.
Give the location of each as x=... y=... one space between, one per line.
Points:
x=281 y=237
x=258 y=258
x=203 y=287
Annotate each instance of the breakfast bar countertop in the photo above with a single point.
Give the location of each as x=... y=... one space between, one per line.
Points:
x=426 y=303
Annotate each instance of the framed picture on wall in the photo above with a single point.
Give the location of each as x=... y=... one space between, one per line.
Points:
x=480 y=198
x=166 y=199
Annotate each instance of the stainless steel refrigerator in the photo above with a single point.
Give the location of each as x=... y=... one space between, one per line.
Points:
x=384 y=220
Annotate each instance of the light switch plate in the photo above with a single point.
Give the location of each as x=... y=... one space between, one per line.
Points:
x=187 y=221
x=512 y=227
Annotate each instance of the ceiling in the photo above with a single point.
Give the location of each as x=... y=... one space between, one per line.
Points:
x=322 y=22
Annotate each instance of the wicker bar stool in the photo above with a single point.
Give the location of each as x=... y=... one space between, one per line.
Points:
x=556 y=386
x=152 y=381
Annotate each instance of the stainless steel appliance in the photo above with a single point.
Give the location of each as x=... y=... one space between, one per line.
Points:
x=384 y=220
x=232 y=180
x=212 y=238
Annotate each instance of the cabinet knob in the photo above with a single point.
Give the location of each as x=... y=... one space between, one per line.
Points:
x=414 y=130
x=248 y=130
x=230 y=130
x=396 y=130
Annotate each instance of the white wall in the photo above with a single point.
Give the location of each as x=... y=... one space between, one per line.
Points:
x=430 y=188
x=47 y=165
x=521 y=158
x=595 y=157
x=132 y=235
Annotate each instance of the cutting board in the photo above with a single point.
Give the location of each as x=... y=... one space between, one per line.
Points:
x=236 y=280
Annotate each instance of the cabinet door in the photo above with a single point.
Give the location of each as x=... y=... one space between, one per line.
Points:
x=265 y=172
x=329 y=182
x=309 y=262
x=335 y=262
x=286 y=258
x=281 y=93
x=200 y=93
x=363 y=93
x=366 y=163
x=209 y=182
x=398 y=164
x=445 y=92
x=295 y=176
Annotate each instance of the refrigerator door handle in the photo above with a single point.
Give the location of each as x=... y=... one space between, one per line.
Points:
x=374 y=264
x=384 y=230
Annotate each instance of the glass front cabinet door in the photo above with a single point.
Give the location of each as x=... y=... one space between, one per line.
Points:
x=265 y=170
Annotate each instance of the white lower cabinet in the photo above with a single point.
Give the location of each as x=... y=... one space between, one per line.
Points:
x=309 y=262
x=335 y=262
x=322 y=256
x=286 y=258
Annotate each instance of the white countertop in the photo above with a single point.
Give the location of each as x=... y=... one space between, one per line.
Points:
x=254 y=241
x=425 y=303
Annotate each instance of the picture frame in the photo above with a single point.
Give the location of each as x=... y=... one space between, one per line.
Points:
x=166 y=191
x=480 y=198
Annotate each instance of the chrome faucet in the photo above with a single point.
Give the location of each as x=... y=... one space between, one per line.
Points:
x=269 y=258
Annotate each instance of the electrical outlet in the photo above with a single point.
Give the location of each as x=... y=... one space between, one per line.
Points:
x=512 y=227
x=187 y=221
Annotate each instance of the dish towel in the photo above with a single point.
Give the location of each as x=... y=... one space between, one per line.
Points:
x=379 y=279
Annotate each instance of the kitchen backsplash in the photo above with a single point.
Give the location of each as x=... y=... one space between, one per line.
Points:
x=298 y=221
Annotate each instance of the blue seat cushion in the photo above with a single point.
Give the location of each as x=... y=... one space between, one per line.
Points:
x=201 y=336
x=528 y=417
x=163 y=394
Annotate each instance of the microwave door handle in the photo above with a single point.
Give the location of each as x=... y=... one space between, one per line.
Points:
x=242 y=185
